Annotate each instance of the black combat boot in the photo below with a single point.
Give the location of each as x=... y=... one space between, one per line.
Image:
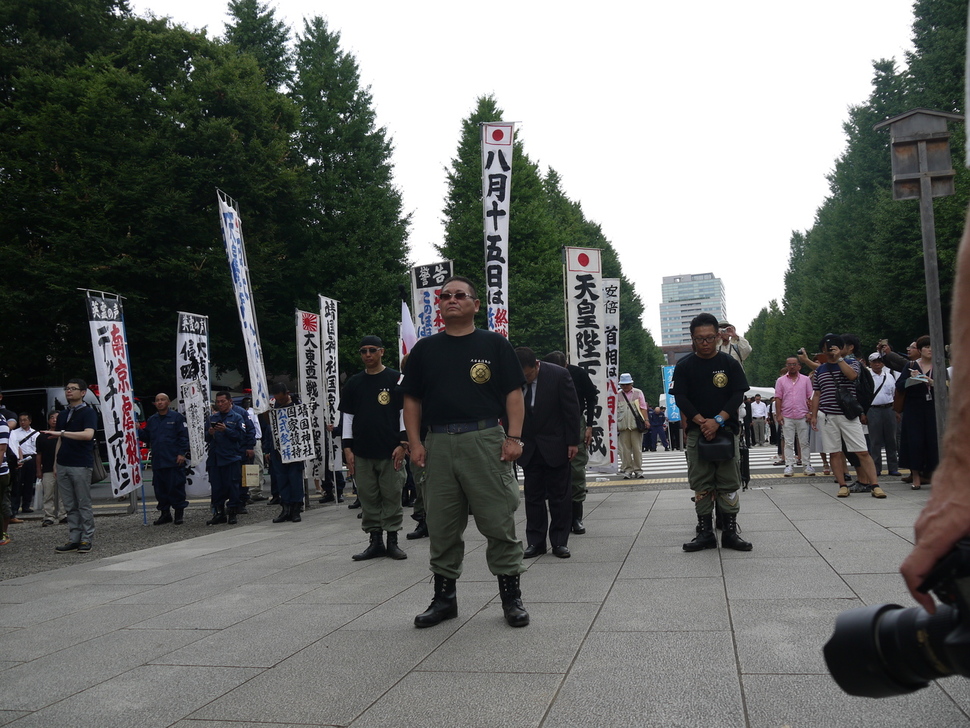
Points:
x=165 y=517
x=729 y=535
x=295 y=512
x=705 y=538
x=374 y=549
x=420 y=531
x=393 y=550
x=179 y=516
x=718 y=516
x=508 y=589
x=443 y=606
x=578 y=526
x=231 y=517
x=218 y=516
x=286 y=514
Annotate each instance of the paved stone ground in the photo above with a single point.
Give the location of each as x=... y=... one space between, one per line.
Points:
x=267 y=624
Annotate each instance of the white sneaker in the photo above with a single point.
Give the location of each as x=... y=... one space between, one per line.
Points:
x=809 y=470
x=789 y=471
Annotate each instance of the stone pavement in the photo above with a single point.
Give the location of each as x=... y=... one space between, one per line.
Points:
x=276 y=625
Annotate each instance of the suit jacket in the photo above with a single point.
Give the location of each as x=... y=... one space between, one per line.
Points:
x=552 y=423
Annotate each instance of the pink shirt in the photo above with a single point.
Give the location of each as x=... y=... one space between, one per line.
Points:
x=794 y=396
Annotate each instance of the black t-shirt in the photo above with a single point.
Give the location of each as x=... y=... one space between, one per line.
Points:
x=46 y=448
x=708 y=387
x=462 y=378
x=375 y=402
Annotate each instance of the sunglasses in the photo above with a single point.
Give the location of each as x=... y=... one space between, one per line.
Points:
x=457 y=295
x=368 y=350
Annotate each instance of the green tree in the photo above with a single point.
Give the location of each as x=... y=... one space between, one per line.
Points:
x=353 y=245
x=256 y=31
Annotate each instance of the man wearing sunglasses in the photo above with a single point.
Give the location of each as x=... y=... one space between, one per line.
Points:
x=460 y=384
x=375 y=445
x=74 y=457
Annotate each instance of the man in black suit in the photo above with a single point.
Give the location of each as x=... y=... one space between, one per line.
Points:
x=551 y=438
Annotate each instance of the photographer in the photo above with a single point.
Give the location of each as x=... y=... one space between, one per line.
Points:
x=946 y=517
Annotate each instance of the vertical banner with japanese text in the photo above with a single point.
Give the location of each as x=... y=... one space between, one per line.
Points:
x=426 y=283
x=611 y=334
x=291 y=433
x=331 y=380
x=236 y=252
x=585 y=341
x=110 y=347
x=497 y=138
x=310 y=363
x=192 y=380
x=673 y=411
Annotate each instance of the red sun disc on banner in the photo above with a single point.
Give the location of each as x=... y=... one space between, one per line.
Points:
x=498 y=135
x=583 y=259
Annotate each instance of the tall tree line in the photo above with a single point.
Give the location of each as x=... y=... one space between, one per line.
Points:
x=542 y=220
x=859 y=268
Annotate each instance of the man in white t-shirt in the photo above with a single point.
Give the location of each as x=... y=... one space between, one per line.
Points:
x=759 y=416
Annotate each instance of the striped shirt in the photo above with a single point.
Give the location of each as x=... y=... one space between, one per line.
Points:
x=4 y=440
x=828 y=378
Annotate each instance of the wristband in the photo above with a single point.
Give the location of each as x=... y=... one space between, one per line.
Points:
x=516 y=440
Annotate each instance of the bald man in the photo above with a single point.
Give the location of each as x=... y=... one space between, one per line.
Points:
x=168 y=437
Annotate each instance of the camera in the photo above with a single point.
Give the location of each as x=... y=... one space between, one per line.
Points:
x=886 y=650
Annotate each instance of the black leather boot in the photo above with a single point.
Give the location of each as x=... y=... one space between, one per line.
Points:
x=578 y=526
x=508 y=589
x=420 y=531
x=374 y=549
x=179 y=516
x=443 y=606
x=295 y=509
x=393 y=550
x=286 y=514
x=729 y=535
x=165 y=517
x=218 y=516
x=718 y=522
x=231 y=516
x=705 y=538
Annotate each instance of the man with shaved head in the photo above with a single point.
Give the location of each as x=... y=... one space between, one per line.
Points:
x=167 y=434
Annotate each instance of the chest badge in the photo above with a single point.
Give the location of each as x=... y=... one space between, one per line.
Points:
x=720 y=380
x=384 y=398
x=480 y=373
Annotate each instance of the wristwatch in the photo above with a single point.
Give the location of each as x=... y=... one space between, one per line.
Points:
x=719 y=420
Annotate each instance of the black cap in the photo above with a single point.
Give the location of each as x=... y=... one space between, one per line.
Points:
x=372 y=340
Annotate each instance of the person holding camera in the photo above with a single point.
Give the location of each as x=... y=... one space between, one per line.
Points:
x=834 y=383
x=730 y=342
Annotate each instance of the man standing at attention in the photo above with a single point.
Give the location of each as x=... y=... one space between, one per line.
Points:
x=167 y=434
x=226 y=431
x=793 y=392
x=882 y=417
x=460 y=383
x=759 y=418
x=374 y=445
x=76 y=426
x=709 y=386
x=551 y=438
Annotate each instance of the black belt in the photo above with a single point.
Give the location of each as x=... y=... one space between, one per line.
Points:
x=457 y=428
x=881 y=405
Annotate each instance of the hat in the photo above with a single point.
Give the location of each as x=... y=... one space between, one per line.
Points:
x=626 y=378
x=723 y=324
x=372 y=340
x=874 y=356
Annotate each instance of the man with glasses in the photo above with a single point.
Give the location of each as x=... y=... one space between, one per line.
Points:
x=75 y=454
x=375 y=446
x=793 y=392
x=709 y=386
x=460 y=384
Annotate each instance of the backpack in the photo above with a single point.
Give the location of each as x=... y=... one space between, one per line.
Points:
x=865 y=388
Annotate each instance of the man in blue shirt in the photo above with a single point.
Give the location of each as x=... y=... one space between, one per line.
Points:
x=76 y=426
x=167 y=434
x=226 y=430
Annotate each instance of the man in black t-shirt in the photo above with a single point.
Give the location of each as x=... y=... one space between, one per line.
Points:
x=375 y=445
x=709 y=386
x=459 y=384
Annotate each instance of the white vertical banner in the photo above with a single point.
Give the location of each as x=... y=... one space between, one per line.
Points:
x=291 y=432
x=331 y=379
x=611 y=334
x=426 y=283
x=236 y=251
x=310 y=363
x=110 y=346
x=407 y=337
x=497 y=138
x=192 y=380
x=583 y=289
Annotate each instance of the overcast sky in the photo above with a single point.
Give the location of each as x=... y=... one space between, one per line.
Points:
x=697 y=134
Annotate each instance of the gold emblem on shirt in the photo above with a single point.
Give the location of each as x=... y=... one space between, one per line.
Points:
x=384 y=397
x=480 y=373
x=720 y=380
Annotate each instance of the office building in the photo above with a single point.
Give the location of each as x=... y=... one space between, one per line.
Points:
x=683 y=297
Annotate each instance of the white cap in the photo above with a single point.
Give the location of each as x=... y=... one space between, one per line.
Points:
x=626 y=378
